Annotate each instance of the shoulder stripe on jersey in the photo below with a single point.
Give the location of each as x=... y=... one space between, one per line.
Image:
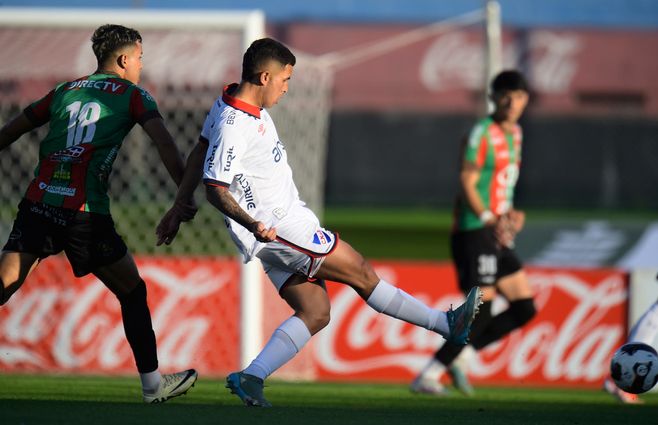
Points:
x=237 y=103
x=217 y=183
x=39 y=113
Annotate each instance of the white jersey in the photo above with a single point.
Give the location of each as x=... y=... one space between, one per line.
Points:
x=246 y=156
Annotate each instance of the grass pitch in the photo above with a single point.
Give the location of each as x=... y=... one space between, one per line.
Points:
x=110 y=400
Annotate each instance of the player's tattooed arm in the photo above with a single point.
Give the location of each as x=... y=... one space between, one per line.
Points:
x=221 y=199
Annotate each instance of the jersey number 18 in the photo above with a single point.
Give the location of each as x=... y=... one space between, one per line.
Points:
x=82 y=121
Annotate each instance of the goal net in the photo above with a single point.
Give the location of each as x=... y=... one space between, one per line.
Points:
x=188 y=58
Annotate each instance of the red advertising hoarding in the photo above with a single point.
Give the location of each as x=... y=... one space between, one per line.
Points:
x=56 y=323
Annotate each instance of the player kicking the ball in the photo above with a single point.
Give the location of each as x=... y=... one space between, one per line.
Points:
x=66 y=207
x=248 y=179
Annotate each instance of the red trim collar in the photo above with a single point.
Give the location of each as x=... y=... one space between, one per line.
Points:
x=237 y=103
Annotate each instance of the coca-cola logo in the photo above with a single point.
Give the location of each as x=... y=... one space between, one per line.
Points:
x=456 y=60
x=571 y=338
x=78 y=325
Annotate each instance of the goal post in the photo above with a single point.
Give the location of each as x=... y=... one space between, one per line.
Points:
x=493 y=47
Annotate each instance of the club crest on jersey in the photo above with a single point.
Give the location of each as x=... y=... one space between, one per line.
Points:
x=261 y=129
x=71 y=154
x=321 y=238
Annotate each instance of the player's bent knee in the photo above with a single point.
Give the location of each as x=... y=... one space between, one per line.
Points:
x=524 y=310
x=316 y=321
x=138 y=293
x=366 y=278
x=319 y=323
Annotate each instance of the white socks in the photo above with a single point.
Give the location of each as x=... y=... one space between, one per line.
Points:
x=150 y=381
x=394 y=302
x=285 y=343
x=646 y=327
x=432 y=371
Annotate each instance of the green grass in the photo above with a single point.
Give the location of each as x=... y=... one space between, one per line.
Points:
x=424 y=234
x=420 y=234
x=109 y=400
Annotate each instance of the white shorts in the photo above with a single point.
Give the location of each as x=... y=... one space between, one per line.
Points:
x=300 y=248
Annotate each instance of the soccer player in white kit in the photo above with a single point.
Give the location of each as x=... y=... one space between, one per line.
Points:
x=247 y=177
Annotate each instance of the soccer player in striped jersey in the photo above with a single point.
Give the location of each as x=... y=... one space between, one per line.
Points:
x=66 y=207
x=484 y=229
x=247 y=177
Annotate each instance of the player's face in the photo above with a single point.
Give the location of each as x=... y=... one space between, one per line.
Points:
x=133 y=62
x=510 y=104
x=277 y=84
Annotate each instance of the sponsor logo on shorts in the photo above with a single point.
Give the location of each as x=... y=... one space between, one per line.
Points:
x=321 y=238
x=57 y=190
x=15 y=234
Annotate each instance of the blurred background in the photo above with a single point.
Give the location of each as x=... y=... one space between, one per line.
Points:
x=393 y=93
x=382 y=96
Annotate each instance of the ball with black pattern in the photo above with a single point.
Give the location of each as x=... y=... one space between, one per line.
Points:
x=634 y=367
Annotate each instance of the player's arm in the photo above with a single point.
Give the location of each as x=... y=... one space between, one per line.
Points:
x=469 y=177
x=167 y=149
x=169 y=224
x=221 y=199
x=14 y=129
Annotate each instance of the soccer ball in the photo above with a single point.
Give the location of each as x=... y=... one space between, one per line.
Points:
x=634 y=367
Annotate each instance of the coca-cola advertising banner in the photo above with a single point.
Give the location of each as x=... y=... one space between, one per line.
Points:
x=57 y=323
x=571 y=71
x=581 y=320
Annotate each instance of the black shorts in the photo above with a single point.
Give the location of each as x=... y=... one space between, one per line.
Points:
x=480 y=260
x=88 y=239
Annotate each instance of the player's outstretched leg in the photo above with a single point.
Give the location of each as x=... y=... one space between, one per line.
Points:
x=347 y=266
x=249 y=388
x=172 y=385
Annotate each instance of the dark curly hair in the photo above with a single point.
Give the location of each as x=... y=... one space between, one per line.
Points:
x=509 y=80
x=109 y=38
x=262 y=51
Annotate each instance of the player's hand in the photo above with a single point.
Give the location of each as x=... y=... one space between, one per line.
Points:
x=262 y=233
x=517 y=219
x=508 y=226
x=168 y=227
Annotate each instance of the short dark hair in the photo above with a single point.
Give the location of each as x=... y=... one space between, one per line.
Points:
x=109 y=38
x=509 y=80
x=262 y=51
